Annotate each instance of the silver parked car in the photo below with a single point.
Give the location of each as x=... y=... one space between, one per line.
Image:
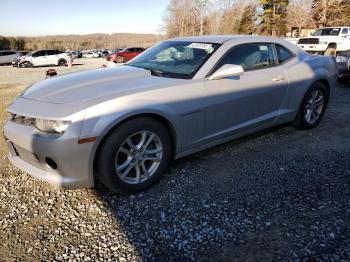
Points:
x=124 y=125
x=7 y=56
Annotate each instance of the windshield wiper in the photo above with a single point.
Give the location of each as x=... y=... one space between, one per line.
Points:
x=156 y=72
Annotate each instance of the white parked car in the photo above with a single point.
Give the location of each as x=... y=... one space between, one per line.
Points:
x=7 y=56
x=91 y=55
x=327 y=41
x=45 y=58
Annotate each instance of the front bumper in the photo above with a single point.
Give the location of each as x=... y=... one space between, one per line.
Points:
x=313 y=47
x=29 y=150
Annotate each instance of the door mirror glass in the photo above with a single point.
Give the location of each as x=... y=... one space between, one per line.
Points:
x=227 y=70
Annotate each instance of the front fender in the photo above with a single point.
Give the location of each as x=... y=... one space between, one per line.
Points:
x=101 y=119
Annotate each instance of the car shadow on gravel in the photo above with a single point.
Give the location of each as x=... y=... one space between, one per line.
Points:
x=277 y=195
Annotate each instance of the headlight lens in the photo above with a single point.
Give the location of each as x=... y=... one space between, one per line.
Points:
x=52 y=126
x=323 y=42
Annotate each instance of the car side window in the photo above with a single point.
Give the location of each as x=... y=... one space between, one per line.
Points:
x=283 y=54
x=250 y=56
x=39 y=53
x=50 y=52
x=345 y=31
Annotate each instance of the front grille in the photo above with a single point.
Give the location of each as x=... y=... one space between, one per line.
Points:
x=23 y=120
x=27 y=156
x=307 y=41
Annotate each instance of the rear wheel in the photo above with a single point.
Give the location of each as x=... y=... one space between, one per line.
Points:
x=312 y=107
x=62 y=62
x=120 y=59
x=133 y=156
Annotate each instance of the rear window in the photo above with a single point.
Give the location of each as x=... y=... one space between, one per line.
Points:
x=283 y=54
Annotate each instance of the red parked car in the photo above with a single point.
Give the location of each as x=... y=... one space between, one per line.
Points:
x=125 y=55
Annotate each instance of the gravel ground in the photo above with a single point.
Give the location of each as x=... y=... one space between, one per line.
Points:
x=280 y=195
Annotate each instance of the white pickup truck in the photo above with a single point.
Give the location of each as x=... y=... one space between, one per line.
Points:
x=327 y=41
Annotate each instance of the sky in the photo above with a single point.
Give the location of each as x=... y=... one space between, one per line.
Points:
x=50 y=17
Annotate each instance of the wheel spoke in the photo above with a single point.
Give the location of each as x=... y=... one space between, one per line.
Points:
x=144 y=169
x=130 y=143
x=154 y=151
x=125 y=151
x=124 y=165
x=126 y=172
x=142 y=141
x=154 y=159
x=308 y=115
x=319 y=101
x=149 y=140
x=138 y=173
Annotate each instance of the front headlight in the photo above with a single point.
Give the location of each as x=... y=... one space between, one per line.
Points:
x=323 y=42
x=52 y=126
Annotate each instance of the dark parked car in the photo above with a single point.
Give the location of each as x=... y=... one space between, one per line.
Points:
x=343 y=61
x=125 y=55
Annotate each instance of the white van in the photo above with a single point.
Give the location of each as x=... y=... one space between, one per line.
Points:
x=7 y=56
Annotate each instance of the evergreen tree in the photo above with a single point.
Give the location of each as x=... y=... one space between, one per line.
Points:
x=274 y=16
x=248 y=22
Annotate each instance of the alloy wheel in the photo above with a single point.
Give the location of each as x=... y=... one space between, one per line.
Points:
x=139 y=157
x=314 y=106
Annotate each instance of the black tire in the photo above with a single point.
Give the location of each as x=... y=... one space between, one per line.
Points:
x=300 y=121
x=330 y=51
x=25 y=65
x=62 y=62
x=105 y=169
x=120 y=59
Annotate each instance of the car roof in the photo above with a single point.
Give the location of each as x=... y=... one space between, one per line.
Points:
x=219 y=39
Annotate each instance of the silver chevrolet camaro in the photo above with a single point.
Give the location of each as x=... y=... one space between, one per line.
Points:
x=123 y=125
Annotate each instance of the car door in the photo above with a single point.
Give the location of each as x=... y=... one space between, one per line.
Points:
x=39 y=58
x=51 y=57
x=129 y=54
x=240 y=104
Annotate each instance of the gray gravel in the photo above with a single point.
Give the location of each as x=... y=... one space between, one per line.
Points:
x=280 y=195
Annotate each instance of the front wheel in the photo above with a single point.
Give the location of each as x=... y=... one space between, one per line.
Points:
x=120 y=59
x=312 y=107
x=25 y=65
x=133 y=156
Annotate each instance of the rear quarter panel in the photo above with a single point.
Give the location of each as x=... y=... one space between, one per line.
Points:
x=303 y=71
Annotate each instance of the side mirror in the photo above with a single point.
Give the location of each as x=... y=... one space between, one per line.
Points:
x=227 y=71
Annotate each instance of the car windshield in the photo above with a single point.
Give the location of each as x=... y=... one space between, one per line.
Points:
x=327 y=31
x=177 y=59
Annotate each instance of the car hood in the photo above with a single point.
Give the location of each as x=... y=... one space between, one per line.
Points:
x=95 y=85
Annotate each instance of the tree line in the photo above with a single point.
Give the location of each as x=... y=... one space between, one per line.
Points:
x=265 y=17
x=199 y=17
x=77 y=42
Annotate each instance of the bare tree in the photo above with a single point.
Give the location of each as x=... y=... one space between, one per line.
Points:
x=299 y=14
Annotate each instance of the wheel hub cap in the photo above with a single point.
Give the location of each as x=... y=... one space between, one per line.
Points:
x=314 y=107
x=139 y=157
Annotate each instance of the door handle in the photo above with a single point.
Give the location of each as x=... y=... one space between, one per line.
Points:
x=278 y=79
